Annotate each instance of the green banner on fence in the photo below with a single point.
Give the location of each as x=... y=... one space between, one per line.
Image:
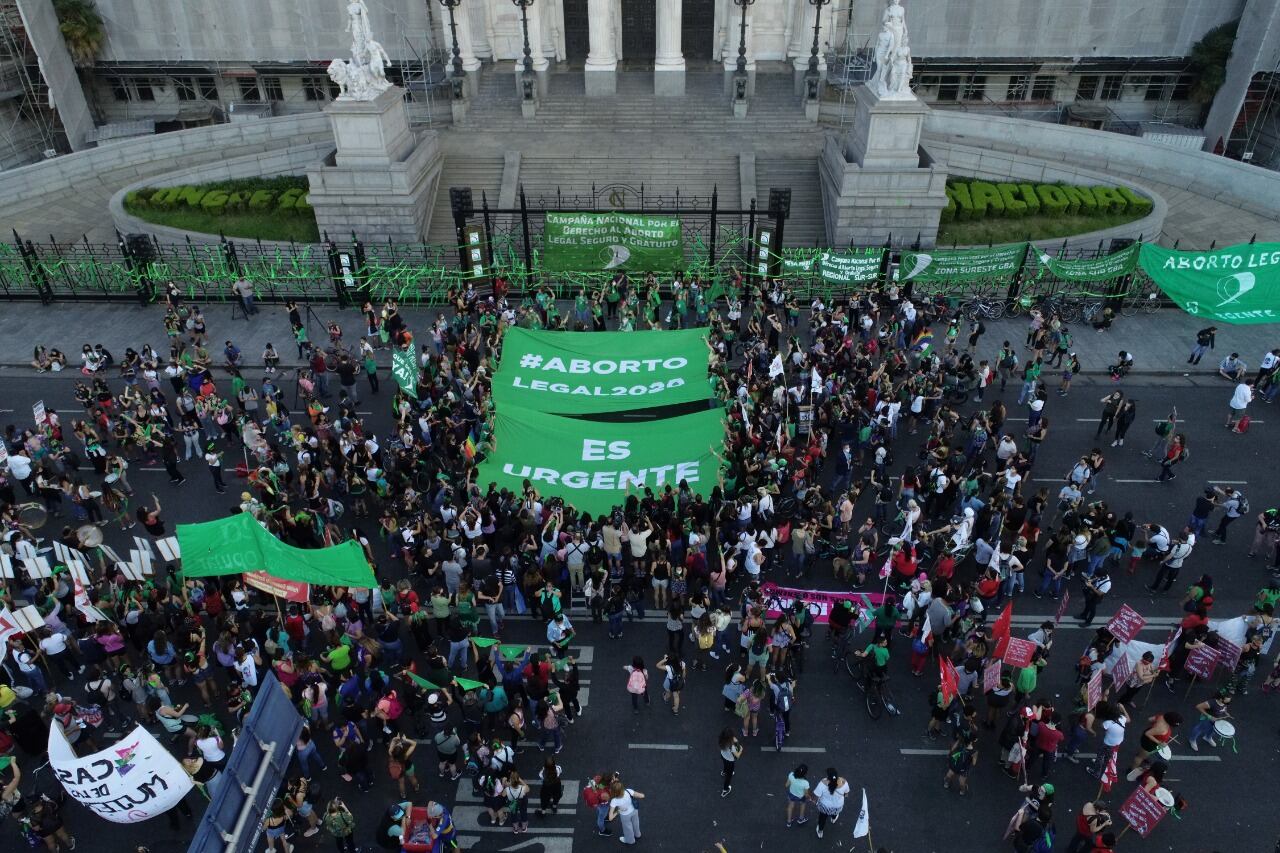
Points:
x=606 y=241
x=962 y=264
x=594 y=465
x=1236 y=284
x=586 y=372
x=1104 y=268
x=850 y=267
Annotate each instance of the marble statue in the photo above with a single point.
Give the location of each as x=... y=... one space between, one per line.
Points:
x=365 y=76
x=892 y=79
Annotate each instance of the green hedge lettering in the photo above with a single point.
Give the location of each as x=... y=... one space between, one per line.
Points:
x=976 y=199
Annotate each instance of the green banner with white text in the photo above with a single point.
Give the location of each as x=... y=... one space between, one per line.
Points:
x=1235 y=284
x=832 y=267
x=584 y=242
x=578 y=373
x=962 y=264
x=1104 y=268
x=593 y=465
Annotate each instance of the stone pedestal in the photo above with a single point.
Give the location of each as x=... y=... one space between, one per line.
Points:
x=459 y=107
x=800 y=68
x=381 y=180
x=541 y=79
x=879 y=183
x=528 y=108
x=730 y=70
x=601 y=81
x=739 y=108
x=811 y=109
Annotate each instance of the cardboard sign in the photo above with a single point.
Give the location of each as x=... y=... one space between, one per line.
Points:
x=991 y=676
x=1062 y=606
x=1126 y=624
x=1143 y=811
x=279 y=587
x=1228 y=653
x=1094 y=691
x=1121 y=672
x=39 y=413
x=1201 y=661
x=1019 y=652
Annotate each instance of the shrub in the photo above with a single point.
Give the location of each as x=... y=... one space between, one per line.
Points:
x=190 y=196
x=1053 y=199
x=986 y=200
x=1110 y=200
x=1085 y=203
x=288 y=199
x=303 y=205
x=261 y=199
x=948 y=212
x=1029 y=198
x=959 y=194
x=1013 y=205
x=215 y=201
x=137 y=198
x=1138 y=204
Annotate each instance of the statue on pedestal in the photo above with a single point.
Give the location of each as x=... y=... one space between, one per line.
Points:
x=364 y=77
x=892 y=79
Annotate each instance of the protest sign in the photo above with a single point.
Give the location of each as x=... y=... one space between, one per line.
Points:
x=278 y=587
x=1234 y=284
x=991 y=676
x=1143 y=811
x=590 y=372
x=1201 y=661
x=1093 y=694
x=1126 y=624
x=1121 y=671
x=957 y=265
x=1228 y=653
x=605 y=241
x=130 y=781
x=780 y=598
x=1062 y=606
x=1018 y=652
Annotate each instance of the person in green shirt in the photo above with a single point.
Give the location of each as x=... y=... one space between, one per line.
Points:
x=1028 y=676
x=341 y=824
x=581 y=312
x=338 y=658
x=877 y=653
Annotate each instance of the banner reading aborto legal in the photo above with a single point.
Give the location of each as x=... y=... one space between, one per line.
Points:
x=1086 y=270
x=593 y=465
x=1235 y=284
x=591 y=372
x=606 y=241
x=962 y=264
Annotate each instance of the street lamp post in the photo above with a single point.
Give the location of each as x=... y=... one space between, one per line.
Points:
x=740 y=75
x=459 y=75
x=526 y=76
x=811 y=76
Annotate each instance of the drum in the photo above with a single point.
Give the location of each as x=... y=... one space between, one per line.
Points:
x=1164 y=752
x=32 y=515
x=90 y=535
x=1224 y=729
x=1165 y=797
x=190 y=719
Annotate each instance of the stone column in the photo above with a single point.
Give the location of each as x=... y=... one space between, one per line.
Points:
x=601 y=72
x=466 y=44
x=802 y=41
x=668 y=64
x=733 y=32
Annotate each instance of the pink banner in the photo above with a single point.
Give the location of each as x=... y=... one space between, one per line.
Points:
x=1143 y=811
x=279 y=587
x=1094 y=693
x=1019 y=652
x=991 y=676
x=782 y=597
x=1126 y=624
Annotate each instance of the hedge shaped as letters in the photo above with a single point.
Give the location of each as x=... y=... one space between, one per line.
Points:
x=282 y=195
x=974 y=199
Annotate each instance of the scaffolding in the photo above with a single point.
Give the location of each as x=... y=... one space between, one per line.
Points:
x=28 y=126
x=850 y=60
x=1255 y=137
x=424 y=74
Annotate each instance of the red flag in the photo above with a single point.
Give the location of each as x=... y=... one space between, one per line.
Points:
x=1000 y=630
x=950 y=680
x=1109 y=773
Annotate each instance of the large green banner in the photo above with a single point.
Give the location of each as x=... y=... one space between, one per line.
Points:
x=1236 y=284
x=832 y=267
x=593 y=464
x=585 y=372
x=962 y=264
x=238 y=543
x=583 y=242
x=1104 y=268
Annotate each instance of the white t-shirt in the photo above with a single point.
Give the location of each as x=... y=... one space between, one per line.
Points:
x=829 y=800
x=624 y=804
x=1112 y=733
x=1242 y=396
x=54 y=644
x=19 y=466
x=210 y=749
x=248 y=671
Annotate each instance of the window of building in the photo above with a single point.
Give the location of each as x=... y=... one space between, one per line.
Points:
x=315 y=88
x=195 y=88
x=975 y=88
x=249 y=90
x=1155 y=88
x=1111 y=86
x=273 y=88
x=145 y=88
x=119 y=90
x=1087 y=89
x=1182 y=87
x=949 y=87
x=1019 y=85
x=1042 y=87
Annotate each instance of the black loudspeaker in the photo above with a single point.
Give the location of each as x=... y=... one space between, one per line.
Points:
x=461 y=203
x=780 y=202
x=141 y=249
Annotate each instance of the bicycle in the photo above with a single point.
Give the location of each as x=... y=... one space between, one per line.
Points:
x=1090 y=310
x=779 y=731
x=984 y=308
x=876 y=693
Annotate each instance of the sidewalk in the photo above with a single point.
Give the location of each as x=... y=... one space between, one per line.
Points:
x=1159 y=342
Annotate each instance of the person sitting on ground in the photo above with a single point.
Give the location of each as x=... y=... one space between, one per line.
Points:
x=1232 y=367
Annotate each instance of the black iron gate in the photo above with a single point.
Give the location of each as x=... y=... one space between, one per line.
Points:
x=577 y=33
x=639 y=30
x=697 y=29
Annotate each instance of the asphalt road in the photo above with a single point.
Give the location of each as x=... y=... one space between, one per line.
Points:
x=674 y=760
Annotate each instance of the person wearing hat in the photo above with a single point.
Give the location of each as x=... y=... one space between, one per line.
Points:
x=213 y=458
x=392 y=826
x=341 y=824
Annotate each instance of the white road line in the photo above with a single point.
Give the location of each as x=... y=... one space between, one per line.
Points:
x=672 y=747
x=802 y=749
x=1084 y=755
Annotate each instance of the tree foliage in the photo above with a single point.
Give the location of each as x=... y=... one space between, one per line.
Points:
x=82 y=29
x=1209 y=61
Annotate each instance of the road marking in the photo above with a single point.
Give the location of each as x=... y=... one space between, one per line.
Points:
x=467 y=819
x=1085 y=755
x=672 y=747
x=1153 y=420
x=804 y=749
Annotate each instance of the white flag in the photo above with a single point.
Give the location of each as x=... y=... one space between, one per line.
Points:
x=775 y=366
x=815 y=381
x=863 y=827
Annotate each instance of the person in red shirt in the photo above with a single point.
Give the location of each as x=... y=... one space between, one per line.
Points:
x=904 y=562
x=1090 y=823
x=296 y=628
x=1048 y=739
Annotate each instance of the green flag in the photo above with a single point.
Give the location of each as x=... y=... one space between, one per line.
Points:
x=510 y=653
x=423 y=683
x=593 y=464
x=1236 y=284
x=798 y=263
x=583 y=242
x=484 y=642
x=237 y=543
x=1104 y=268
x=404 y=367
x=588 y=372
x=468 y=684
x=962 y=264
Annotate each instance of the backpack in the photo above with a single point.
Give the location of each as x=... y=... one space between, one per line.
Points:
x=1242 y=425
x=637 y=681
x=1242 y=504
x=1164 y=428
x=706 y=640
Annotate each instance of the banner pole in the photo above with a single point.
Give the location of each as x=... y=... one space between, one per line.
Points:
x=1191 y=685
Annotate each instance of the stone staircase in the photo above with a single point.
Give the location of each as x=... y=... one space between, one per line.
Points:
x=806 y=226
x=704 y=108
x=661 y=177
x=480 y=172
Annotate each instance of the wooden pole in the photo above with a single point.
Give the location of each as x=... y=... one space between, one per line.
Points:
x=1123 y=831
x=1191 y=685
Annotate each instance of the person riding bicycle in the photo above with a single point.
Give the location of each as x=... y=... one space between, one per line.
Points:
x=839 y=622
x=875 y=658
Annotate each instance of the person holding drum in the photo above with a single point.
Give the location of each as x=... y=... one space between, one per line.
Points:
x=1161 y=732
x=1212 y=711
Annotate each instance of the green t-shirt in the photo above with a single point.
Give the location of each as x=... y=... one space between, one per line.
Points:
x=340 y=658
x=878 y=654
x=1027 y=678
